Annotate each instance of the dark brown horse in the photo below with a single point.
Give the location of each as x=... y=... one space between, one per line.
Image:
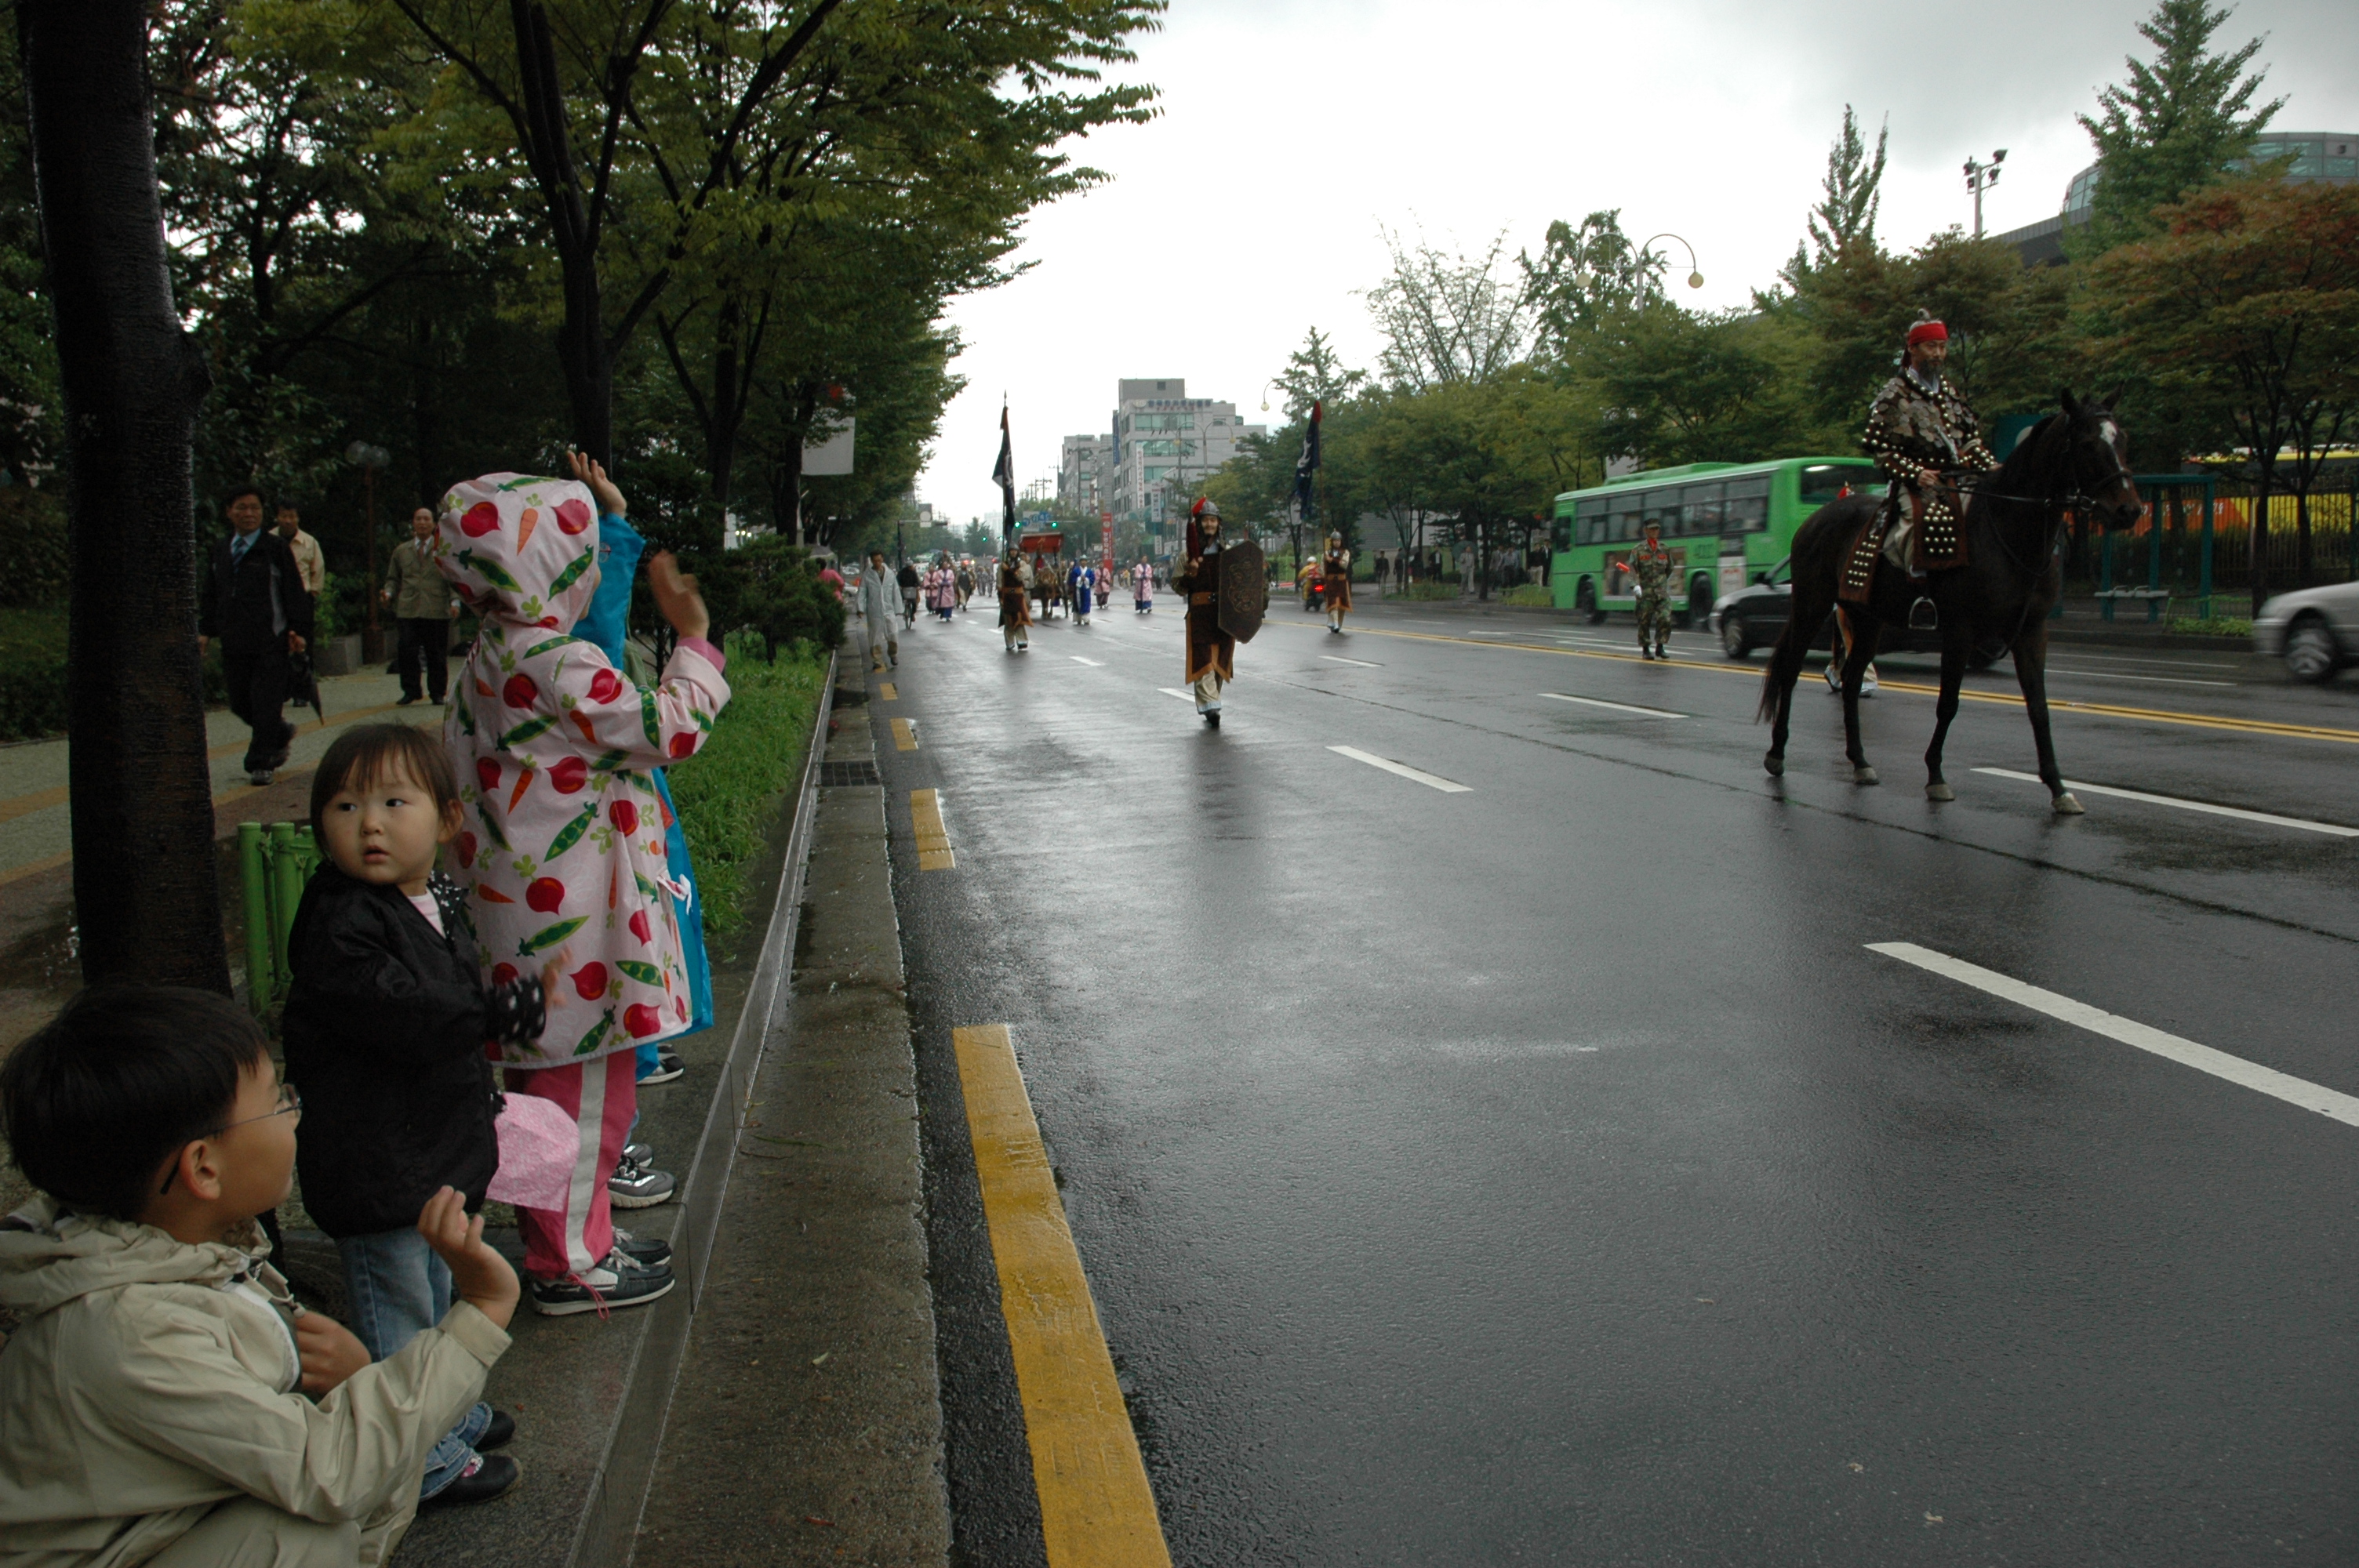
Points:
x=2073 y=461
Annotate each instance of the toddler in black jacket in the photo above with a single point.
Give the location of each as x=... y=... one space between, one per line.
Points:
x=385 y=1029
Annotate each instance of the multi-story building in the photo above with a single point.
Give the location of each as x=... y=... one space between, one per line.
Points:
x=1163 y=443
x=1081 y=474
x=2318 y=157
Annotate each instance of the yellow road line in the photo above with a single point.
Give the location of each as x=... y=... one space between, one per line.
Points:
x=1096 y=1508
x=905 y=735
x=34 y=868
x=892 y=692
x=40 y=800
x=933 y=838
x=2055 y=703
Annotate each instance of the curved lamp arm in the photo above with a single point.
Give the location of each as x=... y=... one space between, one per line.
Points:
x=1695 y=273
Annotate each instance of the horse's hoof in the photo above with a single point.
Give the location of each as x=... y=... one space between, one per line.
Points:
x=1776 y=766
x=2066 y=805
x=1939 y=791
x=1864 y=775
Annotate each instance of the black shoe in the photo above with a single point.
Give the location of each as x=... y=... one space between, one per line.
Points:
x=1213 y=718
x=404 y=699
x=668 y=1066
x=498 y=1434
x=491 y=1474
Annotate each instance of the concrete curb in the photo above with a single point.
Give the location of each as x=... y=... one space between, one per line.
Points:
x=619 y=1491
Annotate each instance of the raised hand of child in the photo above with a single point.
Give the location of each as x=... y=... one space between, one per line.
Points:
x=591 y=472
x=676 y=595
x=330 y=1352
x=479 y=1276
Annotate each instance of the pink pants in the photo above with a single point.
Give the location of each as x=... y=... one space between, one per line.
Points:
x=602 y=1097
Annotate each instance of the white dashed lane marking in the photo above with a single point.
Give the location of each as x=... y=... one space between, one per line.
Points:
x=1431 y=781
x=2294 y=1091
x=2333 y=829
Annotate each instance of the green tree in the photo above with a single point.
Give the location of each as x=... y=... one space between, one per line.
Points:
x=1448 y=319
x=1681 y=387
x=1315 y=373
x=2250 y=300
x=1844 y=222
x=2178 y=123
x=1584 y=277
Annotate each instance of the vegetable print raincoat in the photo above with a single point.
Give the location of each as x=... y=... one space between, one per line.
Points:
x=564 y=837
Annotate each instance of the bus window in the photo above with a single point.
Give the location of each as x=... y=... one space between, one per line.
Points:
x=1622 y=519
x=1592 y=517
x=1747 y=507
x=1664 y=506
x=1705 y=509
x=1822 y=482
x=1560 y=534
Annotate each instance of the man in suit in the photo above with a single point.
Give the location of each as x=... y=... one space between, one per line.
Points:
x=255 y=605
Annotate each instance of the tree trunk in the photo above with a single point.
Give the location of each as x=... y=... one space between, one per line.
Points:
x=582 y=348
x=146 y=891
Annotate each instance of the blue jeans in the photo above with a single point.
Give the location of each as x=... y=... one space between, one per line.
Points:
x=397 y=1288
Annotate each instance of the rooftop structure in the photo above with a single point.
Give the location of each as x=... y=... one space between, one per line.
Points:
x=2319 y=158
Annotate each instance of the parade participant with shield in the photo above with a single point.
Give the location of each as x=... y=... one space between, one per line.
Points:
x=1014 y=603
x=1338 y=570
x=1227 y=585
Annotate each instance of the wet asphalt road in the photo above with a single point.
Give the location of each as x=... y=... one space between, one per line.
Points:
x=1546 y=1171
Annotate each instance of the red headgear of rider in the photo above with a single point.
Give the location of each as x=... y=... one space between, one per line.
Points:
x=1196 y=515
x=1928 y=331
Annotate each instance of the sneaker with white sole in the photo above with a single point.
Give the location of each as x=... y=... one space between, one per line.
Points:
x=647 y=1251
x=668 y=1066
x=633 y=1185
x=639 y=1153
x=616 y=1283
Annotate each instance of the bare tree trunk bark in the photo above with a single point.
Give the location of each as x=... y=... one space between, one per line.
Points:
x=145 y=889
x=582 y=348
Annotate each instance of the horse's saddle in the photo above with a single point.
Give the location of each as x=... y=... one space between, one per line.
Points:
x=1932 y=538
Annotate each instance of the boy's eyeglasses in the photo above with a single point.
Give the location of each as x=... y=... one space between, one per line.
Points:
x=290 y=1103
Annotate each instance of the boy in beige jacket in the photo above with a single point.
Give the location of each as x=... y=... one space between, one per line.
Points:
x=153 y=1405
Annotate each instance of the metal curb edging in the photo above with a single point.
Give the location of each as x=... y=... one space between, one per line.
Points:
x=610 y=1517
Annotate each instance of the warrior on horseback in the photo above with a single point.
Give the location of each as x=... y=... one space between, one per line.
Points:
x=1921 y=431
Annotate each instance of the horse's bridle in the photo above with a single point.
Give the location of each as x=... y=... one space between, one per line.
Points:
x=2061 y=507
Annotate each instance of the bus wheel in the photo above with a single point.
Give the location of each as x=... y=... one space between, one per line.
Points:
x=1584 y=600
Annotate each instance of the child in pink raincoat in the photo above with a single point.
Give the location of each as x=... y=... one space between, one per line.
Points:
x=563 y=842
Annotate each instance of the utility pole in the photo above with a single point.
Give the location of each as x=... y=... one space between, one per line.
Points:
x=1981 y=177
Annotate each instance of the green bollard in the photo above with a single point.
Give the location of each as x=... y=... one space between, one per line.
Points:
x=252 y=885
x=286 y=892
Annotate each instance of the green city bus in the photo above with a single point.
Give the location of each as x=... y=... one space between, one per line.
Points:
x=1723 y=523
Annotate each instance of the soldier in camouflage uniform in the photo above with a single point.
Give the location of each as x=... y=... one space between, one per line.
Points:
x=1651 y=565
x=1919 y=428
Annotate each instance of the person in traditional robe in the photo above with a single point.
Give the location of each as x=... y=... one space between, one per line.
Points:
x=1921 y=429
x=1211 y=654
x=1142 y=590
x=1014 y=604
x=1337 y=568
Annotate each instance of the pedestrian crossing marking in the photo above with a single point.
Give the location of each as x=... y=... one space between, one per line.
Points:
x=1096 y=1508
x=890 y=692
x=2294 y=1091
x=905 y=735
x=1617 y=707
x=926 y=826
x=2333 y=829
x=1430 y=779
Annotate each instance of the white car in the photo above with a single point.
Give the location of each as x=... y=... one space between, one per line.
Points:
x=2315 y=630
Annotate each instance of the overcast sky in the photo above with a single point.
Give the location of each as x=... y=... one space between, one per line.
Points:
x=1291 y=130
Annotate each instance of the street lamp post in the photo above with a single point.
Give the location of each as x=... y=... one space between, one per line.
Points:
x=1981 y=177
x=1695 y=271
x=368 y=460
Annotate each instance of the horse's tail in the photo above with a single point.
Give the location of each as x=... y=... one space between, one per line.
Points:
x=1782 y=658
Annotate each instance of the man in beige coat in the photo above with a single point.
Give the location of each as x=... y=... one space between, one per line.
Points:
x=421 y=608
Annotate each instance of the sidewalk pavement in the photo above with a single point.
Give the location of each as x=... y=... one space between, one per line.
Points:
x=37 y=964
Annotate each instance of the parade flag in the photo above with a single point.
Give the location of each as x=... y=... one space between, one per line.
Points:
x=1003 y=474
x=1307 y=464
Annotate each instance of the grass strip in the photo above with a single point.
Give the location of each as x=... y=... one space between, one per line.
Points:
x=729 y=793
